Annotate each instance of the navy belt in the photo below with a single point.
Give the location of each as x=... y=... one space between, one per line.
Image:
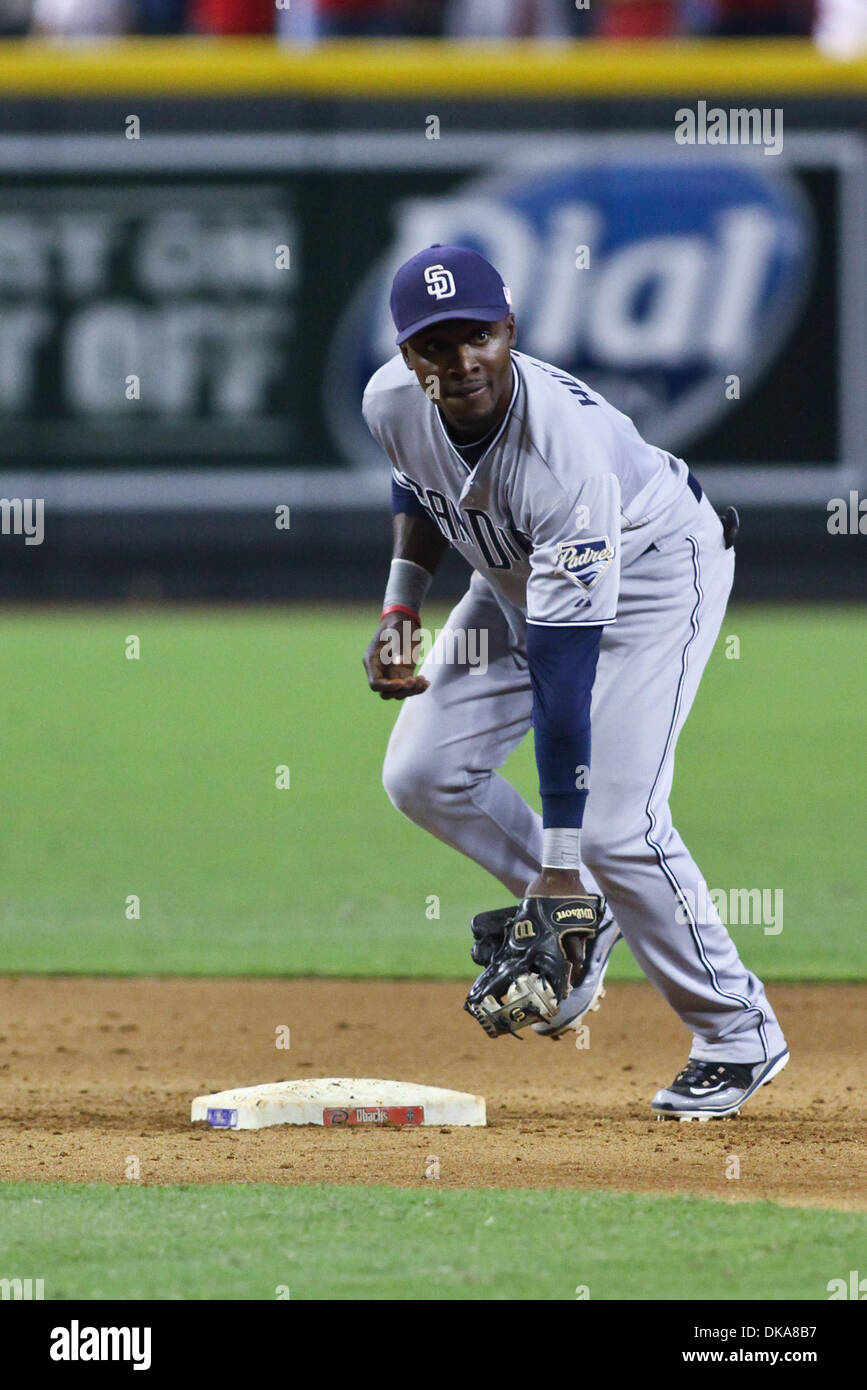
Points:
x=694 y=486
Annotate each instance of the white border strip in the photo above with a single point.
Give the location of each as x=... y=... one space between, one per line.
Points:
x=222 y=152
x=334 y=489
x=202 y=490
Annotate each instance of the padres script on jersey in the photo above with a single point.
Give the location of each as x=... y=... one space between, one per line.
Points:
x=566 y=494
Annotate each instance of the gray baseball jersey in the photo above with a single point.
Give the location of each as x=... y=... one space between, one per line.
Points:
x=566 y=496
x=559 y=517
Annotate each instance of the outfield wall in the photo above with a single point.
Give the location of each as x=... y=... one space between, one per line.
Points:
x=196 y=241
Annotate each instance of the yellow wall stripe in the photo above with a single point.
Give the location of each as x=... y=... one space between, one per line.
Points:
x=425 y=69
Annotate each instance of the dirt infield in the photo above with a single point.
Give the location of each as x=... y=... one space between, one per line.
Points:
x=96 y=1072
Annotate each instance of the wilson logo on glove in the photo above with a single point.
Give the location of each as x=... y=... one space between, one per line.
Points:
x=575 y=912
x=523 y=929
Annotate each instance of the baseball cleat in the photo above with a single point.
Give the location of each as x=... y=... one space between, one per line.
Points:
x=714 y=1090
x=588 y=994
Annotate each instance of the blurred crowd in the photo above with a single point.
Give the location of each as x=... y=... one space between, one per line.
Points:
x=840 y=26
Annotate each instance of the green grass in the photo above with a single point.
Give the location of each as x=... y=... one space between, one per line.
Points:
x=156 y=777
x=238 y=1241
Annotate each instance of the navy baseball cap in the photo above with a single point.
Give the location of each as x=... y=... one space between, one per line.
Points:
x=446 y=282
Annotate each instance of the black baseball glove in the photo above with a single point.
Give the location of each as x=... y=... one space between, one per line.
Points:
x=533 y=954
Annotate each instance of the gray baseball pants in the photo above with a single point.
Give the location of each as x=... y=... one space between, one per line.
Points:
x=447 y=744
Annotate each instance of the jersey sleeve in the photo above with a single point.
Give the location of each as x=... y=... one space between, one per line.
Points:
x=406 y=498
x=575 y=561
x=371 y=411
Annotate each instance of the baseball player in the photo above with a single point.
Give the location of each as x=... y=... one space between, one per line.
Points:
x=600 y=578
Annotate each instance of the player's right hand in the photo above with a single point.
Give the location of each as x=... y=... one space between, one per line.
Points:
x=390 y=662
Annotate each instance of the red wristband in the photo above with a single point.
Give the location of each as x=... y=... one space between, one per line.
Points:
x=400 y=608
